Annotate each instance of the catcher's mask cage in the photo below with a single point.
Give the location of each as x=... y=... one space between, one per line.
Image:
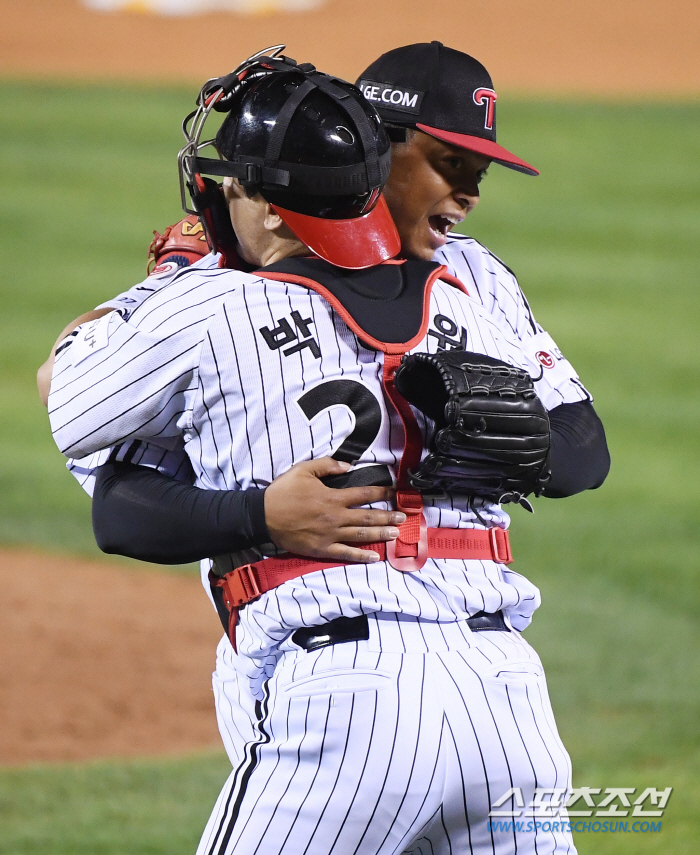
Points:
x=309 y=143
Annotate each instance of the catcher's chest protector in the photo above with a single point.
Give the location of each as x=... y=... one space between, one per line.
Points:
x=387 y=307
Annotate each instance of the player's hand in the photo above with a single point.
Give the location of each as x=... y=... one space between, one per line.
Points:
x=306 y=517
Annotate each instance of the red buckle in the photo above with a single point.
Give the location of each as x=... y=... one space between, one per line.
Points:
x=409 y=563
x=500 y=546
x=240 y=586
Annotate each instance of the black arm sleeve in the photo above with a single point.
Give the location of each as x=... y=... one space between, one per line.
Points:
x=143 y=514
x=140 y=513
x=579 y=451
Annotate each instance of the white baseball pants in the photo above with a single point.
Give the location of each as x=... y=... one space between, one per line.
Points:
x=396 y=745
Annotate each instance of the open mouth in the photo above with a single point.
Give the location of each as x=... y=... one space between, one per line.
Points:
x=441 y=225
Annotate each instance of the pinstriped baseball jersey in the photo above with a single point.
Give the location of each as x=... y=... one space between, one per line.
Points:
x=494 y=285
x=257 y=375
x=489 y=281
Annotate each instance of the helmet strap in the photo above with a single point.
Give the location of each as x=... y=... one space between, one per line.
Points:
x=286 y=114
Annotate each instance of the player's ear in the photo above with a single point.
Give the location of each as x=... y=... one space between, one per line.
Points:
x=274 y=223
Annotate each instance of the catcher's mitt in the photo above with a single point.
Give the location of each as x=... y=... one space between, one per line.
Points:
x=491 y=430
x=182 y=243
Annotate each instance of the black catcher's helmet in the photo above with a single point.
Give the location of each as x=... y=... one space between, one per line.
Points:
x=312 y=146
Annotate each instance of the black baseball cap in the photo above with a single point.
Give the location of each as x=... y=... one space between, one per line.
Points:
x=442 y=92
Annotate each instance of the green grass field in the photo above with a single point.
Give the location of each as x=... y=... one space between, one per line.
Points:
x=605 y=244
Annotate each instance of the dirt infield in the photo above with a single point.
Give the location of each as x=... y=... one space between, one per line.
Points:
x=639 y=47
x=100 y=661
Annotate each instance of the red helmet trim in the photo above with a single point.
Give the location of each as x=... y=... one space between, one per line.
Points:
x=354 y=244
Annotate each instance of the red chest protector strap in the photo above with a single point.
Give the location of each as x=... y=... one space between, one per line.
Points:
x=409 y=551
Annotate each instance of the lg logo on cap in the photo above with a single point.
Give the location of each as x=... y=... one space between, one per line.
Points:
x=488 y=97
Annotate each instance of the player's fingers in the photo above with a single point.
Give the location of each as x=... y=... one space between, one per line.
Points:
x=351 y=497
x=366 y=517
x=322 y=466
x=352 y=555
x=379 y=534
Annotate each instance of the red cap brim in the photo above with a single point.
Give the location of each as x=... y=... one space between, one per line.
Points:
x=481 y=146
x=355 y=244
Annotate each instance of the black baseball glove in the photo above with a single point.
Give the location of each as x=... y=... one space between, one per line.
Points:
x=491 y=430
